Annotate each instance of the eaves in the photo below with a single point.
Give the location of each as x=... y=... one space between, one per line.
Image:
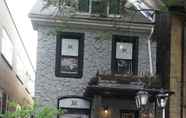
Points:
x=89 y=23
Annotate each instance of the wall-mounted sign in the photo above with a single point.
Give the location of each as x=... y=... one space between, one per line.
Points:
x=74 y=103
x=124 y=50
x=70 y=47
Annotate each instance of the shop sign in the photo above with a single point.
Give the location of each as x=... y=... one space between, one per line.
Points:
x=74 y=103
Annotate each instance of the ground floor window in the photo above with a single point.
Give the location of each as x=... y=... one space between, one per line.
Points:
x=128 y=114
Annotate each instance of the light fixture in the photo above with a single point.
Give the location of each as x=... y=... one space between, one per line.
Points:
x=162 y=98
x=141 y=98
x=105 y=107
x=161 y=95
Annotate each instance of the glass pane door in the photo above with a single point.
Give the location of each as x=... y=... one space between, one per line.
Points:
x=128 y=114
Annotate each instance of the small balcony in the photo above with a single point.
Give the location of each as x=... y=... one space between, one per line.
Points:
x=120 y=85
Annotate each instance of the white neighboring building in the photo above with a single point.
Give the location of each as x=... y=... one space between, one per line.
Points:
x=16 y=69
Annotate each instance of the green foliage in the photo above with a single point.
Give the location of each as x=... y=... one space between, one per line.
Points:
x=151 y=81
x=30 y=111
x=61 y=4
x=168 y=3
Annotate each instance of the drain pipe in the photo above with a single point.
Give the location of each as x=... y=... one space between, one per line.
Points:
x=150 y=52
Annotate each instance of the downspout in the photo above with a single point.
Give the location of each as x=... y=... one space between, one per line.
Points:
x=149 y=47
x=150 y=52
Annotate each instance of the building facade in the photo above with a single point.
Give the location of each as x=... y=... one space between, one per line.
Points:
x=91 y=65
x=16 y=70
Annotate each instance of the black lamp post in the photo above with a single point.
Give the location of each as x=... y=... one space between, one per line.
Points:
x=142 y=98
x=162 y=99
x=161 y=96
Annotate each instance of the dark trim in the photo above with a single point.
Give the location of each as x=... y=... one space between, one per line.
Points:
x=6 y=61
x=19 y=79
x=136 y=112
x=26 y=89
x=71 y=35
x=131 y=39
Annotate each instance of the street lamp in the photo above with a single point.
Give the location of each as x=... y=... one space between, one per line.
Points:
x=162 y=99
x=142 y=98
x=161 y=96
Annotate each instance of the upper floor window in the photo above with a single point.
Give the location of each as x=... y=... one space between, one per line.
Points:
x=102 y=7
x=7 y=47
x=124 y=55
x=69 y=54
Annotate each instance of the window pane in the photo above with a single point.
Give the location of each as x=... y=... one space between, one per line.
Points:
x=99 y=7
x=7 y=47
x=124 y=50
x=124 y=66
x=84 y=5
x=69 y=65
x=128 y=115
x=114 y=7
x=70 y=47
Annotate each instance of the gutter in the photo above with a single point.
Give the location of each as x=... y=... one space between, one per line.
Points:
x=150 y=52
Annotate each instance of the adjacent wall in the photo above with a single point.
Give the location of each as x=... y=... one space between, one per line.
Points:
x=176 y=66
x=13 y=82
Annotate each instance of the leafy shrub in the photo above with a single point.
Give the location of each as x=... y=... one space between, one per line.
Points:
x=33 y=111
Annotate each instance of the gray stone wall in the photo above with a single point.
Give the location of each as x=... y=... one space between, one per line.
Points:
x=97 y=56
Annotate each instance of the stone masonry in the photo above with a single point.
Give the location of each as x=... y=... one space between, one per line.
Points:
x=97 y=56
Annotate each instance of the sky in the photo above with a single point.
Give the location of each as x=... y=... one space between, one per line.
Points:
x=19 y=10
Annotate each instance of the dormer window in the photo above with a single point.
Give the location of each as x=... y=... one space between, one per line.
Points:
x=99 y=7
